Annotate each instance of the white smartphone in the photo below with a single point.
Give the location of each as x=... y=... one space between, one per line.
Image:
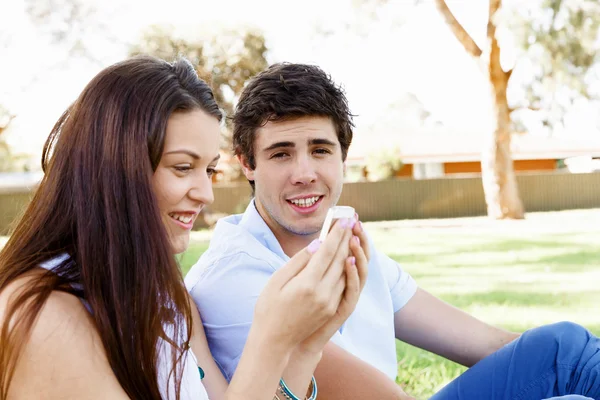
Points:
x=333 y=213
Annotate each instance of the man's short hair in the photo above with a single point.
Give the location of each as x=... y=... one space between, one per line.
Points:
x=286 y=91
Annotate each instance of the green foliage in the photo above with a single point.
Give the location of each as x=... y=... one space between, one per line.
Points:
x=560 y=42
x=384 y=163
x=226 y=61
x=8 y=161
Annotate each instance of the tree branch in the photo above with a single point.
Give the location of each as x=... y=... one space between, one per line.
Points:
x=519 y=108
x=494 y=6
x=497 y=74
x=5 y=119
x=457 y=29
x=491 y=25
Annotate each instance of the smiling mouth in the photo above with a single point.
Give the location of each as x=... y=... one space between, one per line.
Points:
x=307 y=202
x=183 y=218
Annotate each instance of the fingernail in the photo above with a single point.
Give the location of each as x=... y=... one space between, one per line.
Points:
x=352 y=223
x=360 y=225
x=314 y=246
x=353 y=260
x=357 y=240
x=344 y=222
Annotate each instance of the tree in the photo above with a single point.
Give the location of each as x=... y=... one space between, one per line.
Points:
x=75 y=28
x=569 y=49
x=5 y=119
x=559 y=43
x=226 y=61
x=499 y=182
x=8 y=161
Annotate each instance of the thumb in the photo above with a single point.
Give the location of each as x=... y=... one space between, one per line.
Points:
x=296 y=264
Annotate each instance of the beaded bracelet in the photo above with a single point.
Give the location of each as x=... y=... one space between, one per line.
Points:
x=287 y=393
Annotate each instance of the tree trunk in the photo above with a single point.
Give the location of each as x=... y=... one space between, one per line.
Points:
x=498 y=175
x=497 y=172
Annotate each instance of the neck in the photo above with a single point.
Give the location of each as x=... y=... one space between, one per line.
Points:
x=290 y=242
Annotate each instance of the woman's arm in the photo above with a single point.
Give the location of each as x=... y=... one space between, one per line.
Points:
x=213 y=381
x=309 y=352
x=261 y=356
x=299 y=310
x=64 y=357
x=302 y=306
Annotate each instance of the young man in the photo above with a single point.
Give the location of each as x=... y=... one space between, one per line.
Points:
x=292 y=130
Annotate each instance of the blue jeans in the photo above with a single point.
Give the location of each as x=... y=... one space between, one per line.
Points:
x=554 y=360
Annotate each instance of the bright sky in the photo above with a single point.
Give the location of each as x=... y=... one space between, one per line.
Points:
x=376 y=66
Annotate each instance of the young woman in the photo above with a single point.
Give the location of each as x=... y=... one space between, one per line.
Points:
x=92 y=301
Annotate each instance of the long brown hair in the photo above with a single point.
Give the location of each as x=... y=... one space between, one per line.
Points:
x=96 y=204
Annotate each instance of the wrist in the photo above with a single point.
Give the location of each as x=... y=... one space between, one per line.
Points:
x=306 y=355
x=277 y=350
x=298 y=375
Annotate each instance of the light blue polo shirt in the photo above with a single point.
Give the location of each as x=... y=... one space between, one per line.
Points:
x=243 y=253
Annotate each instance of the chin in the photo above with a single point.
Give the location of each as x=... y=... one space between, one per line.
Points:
x=179 y=246
x=306 y=230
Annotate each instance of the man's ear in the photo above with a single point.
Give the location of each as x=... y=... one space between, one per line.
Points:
x=248 y=172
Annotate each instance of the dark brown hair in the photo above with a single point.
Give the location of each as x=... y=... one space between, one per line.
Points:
x=286 y=91
x=96 y=204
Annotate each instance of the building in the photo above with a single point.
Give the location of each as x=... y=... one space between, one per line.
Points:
x=435 y=156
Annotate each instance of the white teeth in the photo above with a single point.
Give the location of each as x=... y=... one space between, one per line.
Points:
x=186 y=219
x=305 y=202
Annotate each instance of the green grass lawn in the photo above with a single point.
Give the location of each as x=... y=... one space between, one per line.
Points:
x=515 y=274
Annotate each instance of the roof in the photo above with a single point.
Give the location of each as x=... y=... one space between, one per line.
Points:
x=427 y=148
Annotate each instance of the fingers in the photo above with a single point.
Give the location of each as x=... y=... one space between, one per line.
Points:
x=344 y=295
x=337 y=291
x=362 y=263
x=323 y=258
x=359 y=231
x=336 y=267
x=296 y=264
x=349 y=296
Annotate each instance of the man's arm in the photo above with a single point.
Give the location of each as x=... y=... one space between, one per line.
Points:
x=343 y=376
x=433 y=325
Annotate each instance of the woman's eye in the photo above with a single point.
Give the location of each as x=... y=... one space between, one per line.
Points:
x=211 y=171
x=182 y=168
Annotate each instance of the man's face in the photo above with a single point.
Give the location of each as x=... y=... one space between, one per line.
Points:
x=299 y=174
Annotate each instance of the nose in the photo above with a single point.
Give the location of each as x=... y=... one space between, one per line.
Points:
x=202 y=190
x=304 y=172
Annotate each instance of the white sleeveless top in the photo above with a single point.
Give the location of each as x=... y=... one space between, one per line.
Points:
x=191 y=384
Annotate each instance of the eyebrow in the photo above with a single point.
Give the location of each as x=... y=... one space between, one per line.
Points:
x=191 y=154
x=183 y=151
x=325 y=142
x=311 y=142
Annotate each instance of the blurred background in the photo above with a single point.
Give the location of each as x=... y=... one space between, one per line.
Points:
x=476 y=154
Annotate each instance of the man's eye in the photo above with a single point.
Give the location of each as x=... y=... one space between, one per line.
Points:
x=322 y=151
x=279 y=155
